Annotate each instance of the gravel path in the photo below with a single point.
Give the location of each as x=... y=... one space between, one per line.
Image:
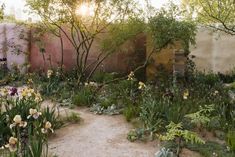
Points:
x=98 y=136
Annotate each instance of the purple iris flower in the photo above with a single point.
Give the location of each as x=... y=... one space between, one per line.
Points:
x=13 y=91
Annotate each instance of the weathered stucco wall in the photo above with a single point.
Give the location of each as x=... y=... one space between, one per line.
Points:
x=214 y=52
x=160 y=62
x=131 y=54
x=14 y=45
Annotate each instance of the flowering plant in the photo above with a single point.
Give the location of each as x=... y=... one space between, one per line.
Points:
x=22 y=124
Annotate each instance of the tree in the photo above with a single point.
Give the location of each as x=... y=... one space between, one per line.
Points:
x=216 y=14
x=164 y=27
x=82 y=23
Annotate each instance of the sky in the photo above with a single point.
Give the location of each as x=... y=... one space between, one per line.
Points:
x=17 y=7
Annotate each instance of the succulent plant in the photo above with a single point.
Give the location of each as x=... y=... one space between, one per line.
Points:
x=163 y=152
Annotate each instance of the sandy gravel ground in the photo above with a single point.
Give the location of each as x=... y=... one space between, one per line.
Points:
x=98 y=136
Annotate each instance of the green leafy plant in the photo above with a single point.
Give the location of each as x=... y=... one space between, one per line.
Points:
x=73 y=118
x=25 y=129
x=151 y=114
x=136 y=134
x=102 y=77
x=52 y=114
x=211 y=148
x=166 y=29
x=84 y=97
x=231 y=140
x=131 y=111
x=201 y=117
x=175 y=132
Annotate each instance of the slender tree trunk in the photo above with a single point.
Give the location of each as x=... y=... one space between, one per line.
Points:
x=62 y=52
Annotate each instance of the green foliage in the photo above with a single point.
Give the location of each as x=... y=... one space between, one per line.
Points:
x=73 y=117
x=132 y=136
x=231 y=140
x=166 y=29
x=151 y=114
x=175 y=131
x=202 y=116
x=137 y=134
x=218 y=15
x=122 y=32
x=52 y=115
x=118 y=97
x=131 y=111
x=24 y=129
x=84 y=97
x=101 y=77
x=211 y=148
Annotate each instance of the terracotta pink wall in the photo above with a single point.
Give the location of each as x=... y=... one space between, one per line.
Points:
x=131 y=54
x=52 y=53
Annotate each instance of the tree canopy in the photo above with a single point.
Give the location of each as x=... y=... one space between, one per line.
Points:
x=64 y=17
x=216 y=14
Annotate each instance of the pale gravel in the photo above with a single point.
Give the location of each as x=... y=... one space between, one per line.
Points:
x=99 y=136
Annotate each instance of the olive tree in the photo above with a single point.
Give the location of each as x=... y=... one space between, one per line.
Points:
x=66 y=18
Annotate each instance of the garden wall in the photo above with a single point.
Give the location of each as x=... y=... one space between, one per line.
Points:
x=131 y=54
x=214 y=52
x=22 y=50
x=14 y=45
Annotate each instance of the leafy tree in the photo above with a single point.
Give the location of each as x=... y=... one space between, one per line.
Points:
x=166 y=29
x=167 y=26
x=164 y=26
x=216 y=14
x=64 y=18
